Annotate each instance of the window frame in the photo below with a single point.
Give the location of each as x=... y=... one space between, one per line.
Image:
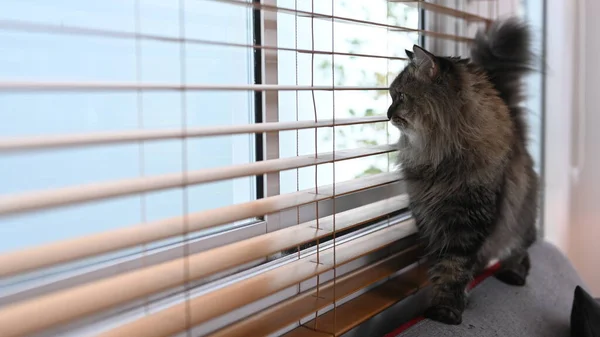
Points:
x=257 y=59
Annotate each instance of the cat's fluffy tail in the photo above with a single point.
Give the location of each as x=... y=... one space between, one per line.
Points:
x=504 y=52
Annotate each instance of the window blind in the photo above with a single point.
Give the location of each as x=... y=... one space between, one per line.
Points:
x=282 y=263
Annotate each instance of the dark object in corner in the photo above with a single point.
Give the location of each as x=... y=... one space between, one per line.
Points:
x=585 y=315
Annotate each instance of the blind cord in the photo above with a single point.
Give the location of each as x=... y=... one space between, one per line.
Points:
x=141 y=146
x=184 y=168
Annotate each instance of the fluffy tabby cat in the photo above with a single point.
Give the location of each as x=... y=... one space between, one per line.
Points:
x=473 y=191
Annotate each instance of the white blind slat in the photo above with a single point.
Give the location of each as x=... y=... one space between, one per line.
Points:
x=73 y=195
x=101 y=138
x=69 y=250
x=8 y=85
x=36 y=27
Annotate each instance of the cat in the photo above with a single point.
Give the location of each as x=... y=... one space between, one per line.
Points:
x=463 y=153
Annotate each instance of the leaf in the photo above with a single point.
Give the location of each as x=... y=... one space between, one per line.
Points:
x=368 y=142
x=370 y=171
x=390 y=12
x=381 y=79
x=355 y=42
x=325 y=64
x=380 y=93
x=378 y=126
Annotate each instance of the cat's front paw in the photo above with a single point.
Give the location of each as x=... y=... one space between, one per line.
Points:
x=444 y=314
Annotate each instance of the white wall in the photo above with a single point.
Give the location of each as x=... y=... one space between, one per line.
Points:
x=560 y=34
x=584 y=248
x=572 y=143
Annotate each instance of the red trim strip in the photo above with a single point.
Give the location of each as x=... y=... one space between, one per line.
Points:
x=493 y=269
x=405 y=327
x=477 y=281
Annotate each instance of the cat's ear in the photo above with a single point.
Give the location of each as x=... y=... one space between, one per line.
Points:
x=410 y=54
x=426 y=62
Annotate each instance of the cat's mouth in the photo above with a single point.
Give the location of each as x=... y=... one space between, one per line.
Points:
x=399 y=122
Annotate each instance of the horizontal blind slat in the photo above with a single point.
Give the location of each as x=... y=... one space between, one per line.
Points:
x=101 y=138
x=36 y=27
x=94 y=297
x=203 y=308
x=69 y=250
x=17 y=85
x=83 y=193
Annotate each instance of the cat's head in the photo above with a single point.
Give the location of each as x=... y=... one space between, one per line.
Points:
x=426 y=98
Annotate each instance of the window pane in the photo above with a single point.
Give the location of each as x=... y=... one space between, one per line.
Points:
x=535 y=15
x=47 y=56
x=295 y=68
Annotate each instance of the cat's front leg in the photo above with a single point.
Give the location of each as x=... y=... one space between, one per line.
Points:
x=449 y=276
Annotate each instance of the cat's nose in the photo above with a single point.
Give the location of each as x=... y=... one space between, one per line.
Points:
x=391 y=111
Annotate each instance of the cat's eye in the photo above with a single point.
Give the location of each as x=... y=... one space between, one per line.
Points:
x=401 y=97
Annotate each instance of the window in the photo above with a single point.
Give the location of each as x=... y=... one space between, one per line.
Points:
x=33 y=53
x=120 y=42
x=350 y=69
x=205 y=167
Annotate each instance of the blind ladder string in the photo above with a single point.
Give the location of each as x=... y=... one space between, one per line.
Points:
x=184 y=167
x=297 y=118
x=312 y=84
x=298 y=288
x=141 y=144
x=333 y=164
